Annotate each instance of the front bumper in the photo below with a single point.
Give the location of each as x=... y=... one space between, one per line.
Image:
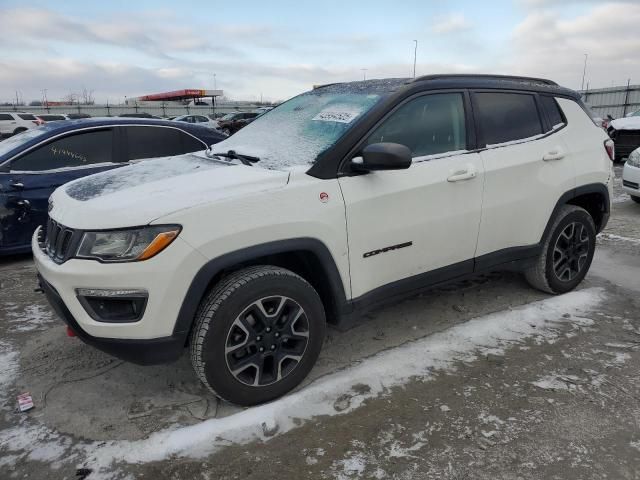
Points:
x=631 y=180
x=142 y=352
x=153 y=338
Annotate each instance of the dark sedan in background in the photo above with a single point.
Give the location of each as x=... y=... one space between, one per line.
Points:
x=34 y=163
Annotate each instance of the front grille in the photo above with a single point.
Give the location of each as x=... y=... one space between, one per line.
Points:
x=629 y=184
x=57 y=240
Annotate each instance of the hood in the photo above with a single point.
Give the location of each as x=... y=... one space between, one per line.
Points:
x=140 y=193
x=627 y=123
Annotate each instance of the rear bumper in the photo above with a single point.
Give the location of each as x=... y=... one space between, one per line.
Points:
x=140 y=351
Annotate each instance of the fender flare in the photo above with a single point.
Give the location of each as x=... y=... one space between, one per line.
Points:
x=599 y=188
x=209 y=270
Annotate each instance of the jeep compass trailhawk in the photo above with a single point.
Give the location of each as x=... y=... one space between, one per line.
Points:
x=370 y=191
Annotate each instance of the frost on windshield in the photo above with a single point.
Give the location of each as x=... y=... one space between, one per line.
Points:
x=297 y=131
x=146 y=171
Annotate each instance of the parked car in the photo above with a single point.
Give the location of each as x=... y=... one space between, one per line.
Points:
x=12 y=123
x=631 y=175
x=34 y=163
x=369 y=191
x=77 y=116
x=139 y=115
x=199 y=119
x=625 y=133
x=232 y=122
x=52 y=117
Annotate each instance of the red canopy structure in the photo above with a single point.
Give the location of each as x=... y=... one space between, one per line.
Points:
x=178 y=95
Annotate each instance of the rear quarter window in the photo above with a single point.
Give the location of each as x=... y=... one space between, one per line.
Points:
x=506 y=117
x=554 y=114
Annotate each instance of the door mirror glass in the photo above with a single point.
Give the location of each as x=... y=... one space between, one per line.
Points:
x=383 y=156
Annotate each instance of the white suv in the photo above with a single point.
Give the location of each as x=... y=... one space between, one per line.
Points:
x=12 y=123
x=336 y=201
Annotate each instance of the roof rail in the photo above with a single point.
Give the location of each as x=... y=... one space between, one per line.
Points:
x=543 y=81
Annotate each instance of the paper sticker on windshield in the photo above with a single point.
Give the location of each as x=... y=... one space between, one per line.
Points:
x=339 y=116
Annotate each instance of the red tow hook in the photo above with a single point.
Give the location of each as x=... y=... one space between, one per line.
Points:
x=70 y=332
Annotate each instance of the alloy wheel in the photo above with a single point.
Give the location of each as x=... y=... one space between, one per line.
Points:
x=267 y=341
x=571 y=252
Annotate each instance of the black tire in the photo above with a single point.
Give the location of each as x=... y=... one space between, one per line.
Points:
x=566 y=253
x=232 y=324
x=635 y=199
x=19 y=130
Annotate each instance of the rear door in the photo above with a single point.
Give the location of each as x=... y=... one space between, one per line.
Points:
x=32 y=178
x=406 y=225
x=527 y=169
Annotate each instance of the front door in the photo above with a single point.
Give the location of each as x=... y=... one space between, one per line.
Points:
x=34 y=176
x=402 y=224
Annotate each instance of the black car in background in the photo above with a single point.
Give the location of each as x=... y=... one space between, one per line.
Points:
x=232 y=122
x=34 y=163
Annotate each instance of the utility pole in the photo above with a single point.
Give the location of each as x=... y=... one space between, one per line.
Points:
x=364 y=73
x=584 y=71
x=415 y=55
x=215 y=87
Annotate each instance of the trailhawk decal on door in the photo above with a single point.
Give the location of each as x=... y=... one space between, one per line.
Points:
x=386 y=249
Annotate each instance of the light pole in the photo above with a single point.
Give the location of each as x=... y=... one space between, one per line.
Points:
x=364 y=73
x=415 y=54
x=214 y=82
x=584 y=71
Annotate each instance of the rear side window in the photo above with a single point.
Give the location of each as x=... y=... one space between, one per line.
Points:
x=26 y=116
x=505 y=117
x=5 y=116
x=81 y=149
x=552 y=110
x=427 y=125
x=152 y=142
x=51 y=118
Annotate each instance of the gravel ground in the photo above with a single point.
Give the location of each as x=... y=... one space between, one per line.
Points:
x=559 y=403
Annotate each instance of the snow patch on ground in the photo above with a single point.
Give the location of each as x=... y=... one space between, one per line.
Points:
x=8 y=367
x=368 y=379
x=611 y=236
x=32 y=317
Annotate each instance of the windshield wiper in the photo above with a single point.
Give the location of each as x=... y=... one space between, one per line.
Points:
x=232 y=155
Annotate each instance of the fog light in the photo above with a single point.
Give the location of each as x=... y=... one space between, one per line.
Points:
x=113 y=306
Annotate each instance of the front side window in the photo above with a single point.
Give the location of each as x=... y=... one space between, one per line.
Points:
x=505 y=117
x=428 y=125
x=78 y=150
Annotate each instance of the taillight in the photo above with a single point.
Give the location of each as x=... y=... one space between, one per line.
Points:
x=610 y=148
x=38 y=122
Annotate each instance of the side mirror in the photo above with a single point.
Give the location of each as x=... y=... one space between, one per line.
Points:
x=383 y=156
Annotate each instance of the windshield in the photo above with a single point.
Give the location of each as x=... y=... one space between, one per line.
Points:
x=16 y=140
x=297 y=131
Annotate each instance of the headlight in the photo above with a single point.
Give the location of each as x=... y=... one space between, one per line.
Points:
x=634 y=158
x=130 y=245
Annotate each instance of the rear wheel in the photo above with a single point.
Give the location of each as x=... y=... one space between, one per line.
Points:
x=635 y=199
x=567 y=252
x=19 y=130
x=258 y=334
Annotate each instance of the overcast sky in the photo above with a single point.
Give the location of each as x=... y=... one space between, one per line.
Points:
x=280 y=48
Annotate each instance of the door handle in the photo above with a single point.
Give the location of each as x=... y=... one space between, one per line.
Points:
x=556 y=154
x=466 y=173
x=17 y=185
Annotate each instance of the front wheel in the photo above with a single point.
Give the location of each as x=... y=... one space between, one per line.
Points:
x=567 y=252
x=258 y=333
x=635 y=199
